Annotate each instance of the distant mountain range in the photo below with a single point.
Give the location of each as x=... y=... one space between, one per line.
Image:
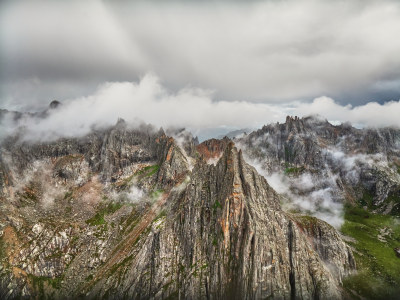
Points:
x=137 y=213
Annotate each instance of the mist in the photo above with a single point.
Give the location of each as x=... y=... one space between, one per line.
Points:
x=318 y=192
x=303 y=194
x=195 y=109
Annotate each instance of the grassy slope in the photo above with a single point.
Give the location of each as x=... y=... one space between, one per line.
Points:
x=378 y=266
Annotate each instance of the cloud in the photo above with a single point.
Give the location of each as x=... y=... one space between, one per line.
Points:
x=317 y=193
x=147 y=100
x=195 y=109
x=307 y=193
x=135 y=194
x=372 y=113
x=265 y=51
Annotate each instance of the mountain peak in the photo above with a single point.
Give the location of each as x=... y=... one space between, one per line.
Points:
x=54 y=104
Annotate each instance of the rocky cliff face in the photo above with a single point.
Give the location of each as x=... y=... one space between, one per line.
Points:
x=132 y=213
x=340 y=162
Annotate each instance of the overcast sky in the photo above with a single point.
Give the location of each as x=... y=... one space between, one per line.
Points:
x=272 y=57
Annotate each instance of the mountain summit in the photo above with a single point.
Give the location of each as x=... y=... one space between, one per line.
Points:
x=131 y=213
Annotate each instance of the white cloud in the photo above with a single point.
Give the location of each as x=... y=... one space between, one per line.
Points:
x=372 y=113
x=195 y=109
x=135 y=194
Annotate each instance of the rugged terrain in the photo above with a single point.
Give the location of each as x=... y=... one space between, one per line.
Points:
x=320 y=160
x=135 y=213
x=347 y=176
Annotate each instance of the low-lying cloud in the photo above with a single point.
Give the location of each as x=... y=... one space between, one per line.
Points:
x=306 y=193
x=193 y=108
x=321 y=191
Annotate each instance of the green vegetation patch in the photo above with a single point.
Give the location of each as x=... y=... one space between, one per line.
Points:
x=68 y=195
x=40 y=282
x=3 y=254
x=293 y=170
x=125 y=183
x=89 y=278
x=98 y=218
x=139 y=175
x=397 y=166
x=367 y=199
x=394 y=198
x=161 y=215
x=123 y=263
x=154 y=195
x=375 y=238
x=133 y=219
x=147 y=171
x=216 y=205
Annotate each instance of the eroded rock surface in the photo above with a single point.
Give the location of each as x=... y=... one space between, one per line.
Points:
x=131 y=213
x=344 y=163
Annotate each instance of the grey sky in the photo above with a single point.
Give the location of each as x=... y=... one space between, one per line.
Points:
x=272 y=52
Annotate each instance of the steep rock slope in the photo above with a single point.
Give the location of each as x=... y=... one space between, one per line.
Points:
x=128 y=213
x=348 y=164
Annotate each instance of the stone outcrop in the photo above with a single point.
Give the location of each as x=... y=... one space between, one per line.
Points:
x=353 y=163
x=130 y=213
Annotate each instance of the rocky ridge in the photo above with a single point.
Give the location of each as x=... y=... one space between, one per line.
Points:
x=347 y=163
x=131 y=213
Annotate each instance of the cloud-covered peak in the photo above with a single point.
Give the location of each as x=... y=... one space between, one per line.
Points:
x=148 y=100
